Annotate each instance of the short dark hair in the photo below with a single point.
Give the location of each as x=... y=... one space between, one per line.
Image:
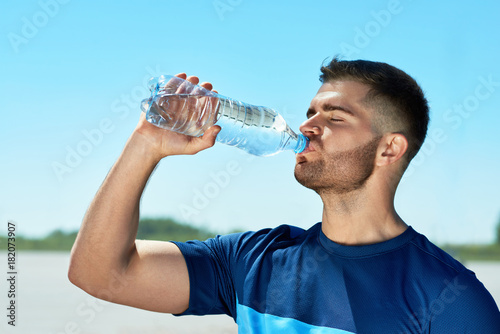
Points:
x=396 y=96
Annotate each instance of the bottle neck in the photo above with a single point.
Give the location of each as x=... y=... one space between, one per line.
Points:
x=302 y=143
x=295 y=142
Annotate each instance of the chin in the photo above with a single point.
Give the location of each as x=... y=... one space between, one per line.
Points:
x=306 y=178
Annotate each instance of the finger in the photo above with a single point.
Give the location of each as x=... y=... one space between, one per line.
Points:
x=174 y=83
x=206 y=85
x=215 y=91
x=193 y=79
x=205 y=141
x=212 y=131
x=188 y=85
x=210 y=135
x=202 y=89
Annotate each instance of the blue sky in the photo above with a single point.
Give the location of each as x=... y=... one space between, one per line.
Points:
x=73 y=73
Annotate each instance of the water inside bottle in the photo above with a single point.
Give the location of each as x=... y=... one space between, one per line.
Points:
x=257 y=130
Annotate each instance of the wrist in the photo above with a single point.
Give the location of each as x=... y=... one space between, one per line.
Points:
x=144 y=149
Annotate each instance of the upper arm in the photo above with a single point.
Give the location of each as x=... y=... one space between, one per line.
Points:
x=155 y=279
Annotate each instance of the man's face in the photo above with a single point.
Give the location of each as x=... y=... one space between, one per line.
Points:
x=343 y=142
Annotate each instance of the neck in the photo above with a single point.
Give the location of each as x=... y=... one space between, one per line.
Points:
x=361 y=217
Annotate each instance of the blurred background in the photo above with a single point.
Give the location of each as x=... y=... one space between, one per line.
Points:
x=72 y=75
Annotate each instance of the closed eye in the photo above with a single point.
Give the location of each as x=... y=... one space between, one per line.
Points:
x=310 y=113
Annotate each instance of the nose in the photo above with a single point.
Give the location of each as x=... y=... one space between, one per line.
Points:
x=311 y=127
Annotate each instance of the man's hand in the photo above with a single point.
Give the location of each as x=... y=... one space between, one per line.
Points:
x=164 y=142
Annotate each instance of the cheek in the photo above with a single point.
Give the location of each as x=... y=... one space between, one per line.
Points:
x=348 y=138
x=340 y=139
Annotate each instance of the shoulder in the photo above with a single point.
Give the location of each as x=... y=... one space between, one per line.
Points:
x=433 y=258
x=280 y=236
x=280 y=233
x=456 y=299
x=237 y=245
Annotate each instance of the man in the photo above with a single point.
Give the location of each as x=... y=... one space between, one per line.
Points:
x=361 y=270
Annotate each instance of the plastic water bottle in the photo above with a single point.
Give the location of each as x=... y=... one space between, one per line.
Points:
x=178 y=105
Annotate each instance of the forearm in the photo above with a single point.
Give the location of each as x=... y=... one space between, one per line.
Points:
x=107 y=236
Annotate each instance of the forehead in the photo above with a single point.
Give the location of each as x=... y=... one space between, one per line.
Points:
x=343 y=92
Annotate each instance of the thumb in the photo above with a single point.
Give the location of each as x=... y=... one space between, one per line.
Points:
x=211 y=134
x=208 y=138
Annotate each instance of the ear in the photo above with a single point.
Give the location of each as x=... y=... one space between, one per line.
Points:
x=392 y=147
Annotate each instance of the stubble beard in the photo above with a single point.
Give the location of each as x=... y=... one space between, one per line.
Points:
x=340 y=172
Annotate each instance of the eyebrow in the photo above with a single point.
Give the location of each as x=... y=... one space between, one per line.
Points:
x=329 y=107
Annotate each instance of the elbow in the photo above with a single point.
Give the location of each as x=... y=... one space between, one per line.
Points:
x=96 y=275
x=83 y=277
x=76 y=275
x=82 y=269
x=81 y=273
x=95 y=279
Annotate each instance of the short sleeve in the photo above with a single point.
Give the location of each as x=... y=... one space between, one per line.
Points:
x=211 y=285
x=464 y=306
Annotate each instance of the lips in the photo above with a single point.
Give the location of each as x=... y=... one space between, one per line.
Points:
x=309 y=148
x=301 y=157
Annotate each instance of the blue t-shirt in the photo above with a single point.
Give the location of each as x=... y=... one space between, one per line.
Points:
x=287 y=280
